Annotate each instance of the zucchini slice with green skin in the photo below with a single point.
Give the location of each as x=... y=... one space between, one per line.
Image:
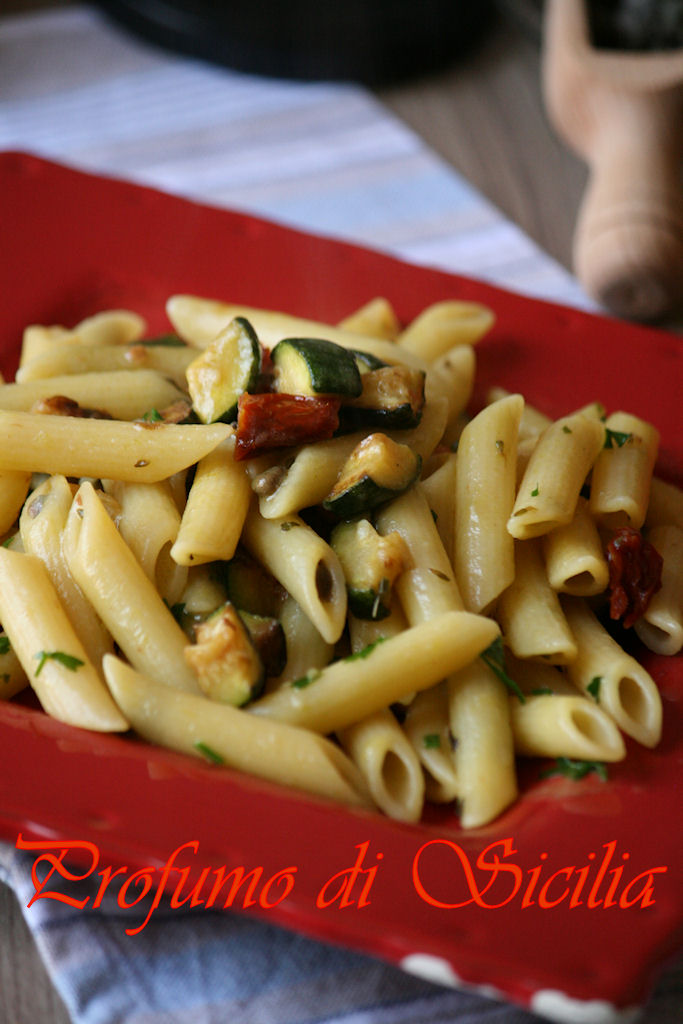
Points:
x=314 y=366
x=268 y=637
x=227 y=368
x=228 y=666
x=377 y=470
x=371 y=562
x=392 y=399
x=367 y=361
x=250 y=587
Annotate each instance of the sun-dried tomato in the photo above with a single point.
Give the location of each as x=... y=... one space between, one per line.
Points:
x=274 y=420
x=635 y=574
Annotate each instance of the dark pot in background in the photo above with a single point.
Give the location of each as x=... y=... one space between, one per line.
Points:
x=370 y=41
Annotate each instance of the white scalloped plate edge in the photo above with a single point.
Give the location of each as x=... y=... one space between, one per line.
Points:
x=549 y=1003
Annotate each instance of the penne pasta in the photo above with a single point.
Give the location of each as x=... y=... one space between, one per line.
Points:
x=376 y=319
x=553 y=725
x=64 y=358
x=427 y=726
x=661 y=626
x=124 y=395
x=445 y=324
x=622 y=474
x=574 y=559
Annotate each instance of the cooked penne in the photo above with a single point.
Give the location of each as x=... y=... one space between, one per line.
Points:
x=533 y=421
x=216 y=509
x=555 y=474
x=54 y=659
x=666 y=505
x=485 y=492
x=64 y=358
x=554 y=725
x=14 y=485
x=445 y=324
x=479 y=715
x=42 y=525
x=530 y=614
x=304 y=564
x=350 y=689
x=574 y=559
x=661 y=626
x=122 y=594
x=137 y=452
x=427 y=727
x=109 y=327
x=440 y=489
x=622 y=474
x=13 y=678
x=376 y=319
x=149 y=524
x=124 y=395
x=385 y=758
x=618 y=683
x=428 y=588
x=306 y=650
x=226 y=735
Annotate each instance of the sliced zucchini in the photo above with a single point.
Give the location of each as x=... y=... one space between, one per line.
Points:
x=371 y=563
x=367 y=361
x=228 y=666
x=268 y=637
x=227 y=368
x=377 y=470
x=392 y=399
x=313 y=366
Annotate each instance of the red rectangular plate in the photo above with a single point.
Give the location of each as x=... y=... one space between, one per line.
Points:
x=74 y=244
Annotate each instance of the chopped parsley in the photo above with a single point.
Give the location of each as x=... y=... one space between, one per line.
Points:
x=153 y=416
x=594 y=688
x=494 y=657
x=5 y=646
x=310 y=677
x=616 y=438
x=576 y=769
x=163 y=341
x=365 y=651
x=534 y=493
x=541 y=691
x=431 y=741
x=67 y=660
x=206 y=751
x=566 y=429
x=8 y=541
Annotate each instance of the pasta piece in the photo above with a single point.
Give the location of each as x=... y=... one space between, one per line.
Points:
x=124 y=395
x=485 y=492
x=455 y=372
x=666 y=505
x=444 y=324
x=530 y=614
x=550 y=725
x=138 y=452
x=376 y=319
x=42 y=525
x=533 y=421
x=574 y=559
x=388 y=763
x=622 y=474
x=352 y=688
x=661 y=626
x=203 y=593
x=304 y=564
x=64 y=358
x=55 y=661
x=553 y=479
x=14 y=485
x=13 y=678
x=428 y=588
x=226 y=735
x=122 y=594
x=216 y=509
x=149 y=524
x=617 y=681
x=306 y=649
x=110 y=327
x=427 y=727
x=479 y=712
x=440 y=489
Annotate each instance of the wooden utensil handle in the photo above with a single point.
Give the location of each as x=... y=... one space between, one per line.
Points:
x=628 y=245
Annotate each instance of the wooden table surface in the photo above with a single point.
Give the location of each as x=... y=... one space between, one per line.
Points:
x=485 y=117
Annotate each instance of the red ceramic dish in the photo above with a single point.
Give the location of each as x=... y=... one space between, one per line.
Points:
x=74 y=244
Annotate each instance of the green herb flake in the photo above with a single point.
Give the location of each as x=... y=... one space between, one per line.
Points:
x=500 y=445
x=365 y=651
x=163 y=341
x=7 y=542
x=5 y=646
x=206 y=751
x=594 y=688
x=288 y=526
x=576 y=770
x=616 y=438
x=310 y=677
x=494 y=657
x=542 y=691
x=153 y=416
x=534 y=493
x=5 y=678
x=431 y=741
x=566 y=429
x=67 y=660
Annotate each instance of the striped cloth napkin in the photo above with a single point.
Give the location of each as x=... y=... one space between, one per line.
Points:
x=323 y=157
